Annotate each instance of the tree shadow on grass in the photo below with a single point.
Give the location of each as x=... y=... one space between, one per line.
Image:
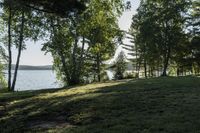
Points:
x=119 y=108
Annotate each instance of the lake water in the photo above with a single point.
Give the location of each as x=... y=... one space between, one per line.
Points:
x=36 y=80
x=39 y=79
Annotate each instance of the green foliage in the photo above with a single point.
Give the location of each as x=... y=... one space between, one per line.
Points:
x=3 y=57
x=81 y=29
x=120 y=66
x=59 y=8
x=102 y=30
x=195 y=15
x=80 y=43
x=2 y=77
x=159 y=33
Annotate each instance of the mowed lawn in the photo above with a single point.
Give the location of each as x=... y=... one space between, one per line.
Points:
x=159 y=105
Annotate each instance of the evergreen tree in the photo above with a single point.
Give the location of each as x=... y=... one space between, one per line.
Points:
x=120 y=66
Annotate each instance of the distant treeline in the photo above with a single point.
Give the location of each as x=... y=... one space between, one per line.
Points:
x=26 y=67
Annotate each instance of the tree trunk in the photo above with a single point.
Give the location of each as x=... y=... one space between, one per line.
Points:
x=192 y=69
x=152 y=71
x=145 y=68
x=81 y=60
x=137 y=63
x=64 y=65
x=166 y=61
x=185 y=72
x=178 y=72
x=21 y=38
x=75 y=79
x=139 y=66
x=9 y=49
x=60 y=51
x=98 y=68
x=168 y=48
x=158 y=69
x=82 y=52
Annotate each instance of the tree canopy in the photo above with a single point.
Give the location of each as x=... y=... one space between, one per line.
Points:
x=82 y=34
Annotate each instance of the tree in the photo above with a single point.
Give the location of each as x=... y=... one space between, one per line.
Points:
x=158 y=28
x=60 y=8
x=66 y=26
x=3 y=59
x=27 y=12
x=9 y=22
x=87 y=39
x=103 y=30
x=194 y=27
x=19 y=21
x=145 y=33
x=3 y=56
x=120 y=66
x=21 y=40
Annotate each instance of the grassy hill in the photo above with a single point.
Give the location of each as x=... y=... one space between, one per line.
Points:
x=160 y=105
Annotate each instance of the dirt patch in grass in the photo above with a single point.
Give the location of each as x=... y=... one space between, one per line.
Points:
x=59 y=122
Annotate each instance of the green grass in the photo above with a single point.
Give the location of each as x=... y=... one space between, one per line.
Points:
x=160 y=105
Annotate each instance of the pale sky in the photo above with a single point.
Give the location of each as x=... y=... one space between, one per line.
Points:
x=34 y=56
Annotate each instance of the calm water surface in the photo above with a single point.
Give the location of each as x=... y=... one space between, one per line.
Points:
x=36 y=80
x=39 y=79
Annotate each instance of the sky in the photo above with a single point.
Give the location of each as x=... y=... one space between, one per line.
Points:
x=35 y=57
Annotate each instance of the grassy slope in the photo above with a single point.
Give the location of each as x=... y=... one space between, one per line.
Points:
x=163 y=105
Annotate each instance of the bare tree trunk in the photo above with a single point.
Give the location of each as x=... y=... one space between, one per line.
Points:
x=152 y=71
x=178 y=72
x=21 y=38
x=75 y=79
x=137 y=63
x=145 y=68
x=166 y=62
x=139 y=66
x=81 y=60
x=168 y=49
x=98 y=68
x=64 y=65
x=9 y=49
x=149 y=71
x=158 y=65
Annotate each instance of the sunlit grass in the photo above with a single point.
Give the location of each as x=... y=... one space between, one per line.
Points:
x=146 y=105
